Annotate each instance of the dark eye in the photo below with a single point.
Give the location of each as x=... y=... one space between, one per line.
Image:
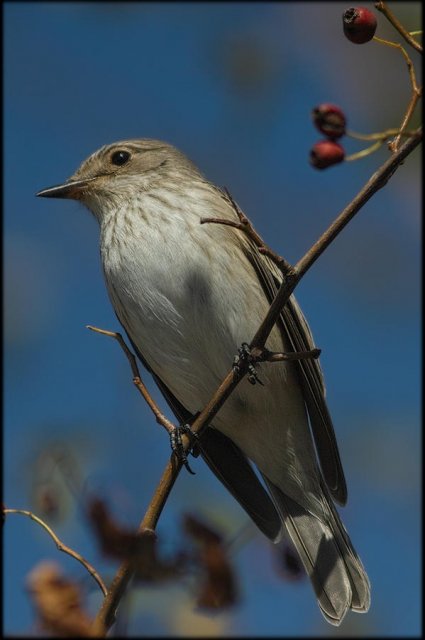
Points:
x=120 y=157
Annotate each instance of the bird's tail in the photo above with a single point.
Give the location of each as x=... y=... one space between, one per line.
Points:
x=336 y=572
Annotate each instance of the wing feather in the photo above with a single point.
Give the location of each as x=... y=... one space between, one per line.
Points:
x=294 y=326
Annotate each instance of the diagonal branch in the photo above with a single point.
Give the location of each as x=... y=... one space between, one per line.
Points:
x=378 y=180
x=106 y=614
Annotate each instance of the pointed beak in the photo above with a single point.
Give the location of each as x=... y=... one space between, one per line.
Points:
x=70 y=189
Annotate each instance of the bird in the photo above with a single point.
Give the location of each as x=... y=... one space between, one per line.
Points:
x=188 y=295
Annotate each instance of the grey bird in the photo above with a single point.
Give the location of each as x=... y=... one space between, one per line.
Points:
x=188 y=295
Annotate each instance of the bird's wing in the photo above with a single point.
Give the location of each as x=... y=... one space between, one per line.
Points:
x=229 y=464
x=294 y=326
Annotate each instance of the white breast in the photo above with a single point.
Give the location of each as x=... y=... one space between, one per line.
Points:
x=188 y=298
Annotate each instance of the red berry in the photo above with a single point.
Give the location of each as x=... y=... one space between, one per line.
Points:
x=329 y=119
x=326 y=153
x=359 y=24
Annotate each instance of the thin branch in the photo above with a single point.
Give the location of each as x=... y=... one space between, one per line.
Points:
x=382 y=135
x=106 y=614
x=364 y=152
x=245 y=225
x=60 y=545
x=382 y=7
x=409 y=112
x=137 y=380
x=416 y=91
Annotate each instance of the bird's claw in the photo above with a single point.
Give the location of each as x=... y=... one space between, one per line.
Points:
x=177 y=444
x=244 y=357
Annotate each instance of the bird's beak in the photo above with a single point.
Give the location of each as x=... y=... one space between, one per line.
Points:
x=70 y=189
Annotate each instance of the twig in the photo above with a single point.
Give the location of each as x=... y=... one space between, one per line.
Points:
x=106 y=614
x=60 y=545
x=245 y=225
x=379 y=138
x=382 y=135
x=364 y=152
x=416 y=91
x=264 y=355
x=137 y=380
x=409 y=112
x=382 y=7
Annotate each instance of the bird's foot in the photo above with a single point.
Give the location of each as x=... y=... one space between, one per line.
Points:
x=244 y=361
x=177 y=444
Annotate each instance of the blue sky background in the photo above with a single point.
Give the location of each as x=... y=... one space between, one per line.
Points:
x=232 y=85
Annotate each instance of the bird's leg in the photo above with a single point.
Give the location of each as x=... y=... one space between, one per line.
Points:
x=244 y=361
x=177 y=444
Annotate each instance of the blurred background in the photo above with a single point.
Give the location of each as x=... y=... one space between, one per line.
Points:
x=232 y=85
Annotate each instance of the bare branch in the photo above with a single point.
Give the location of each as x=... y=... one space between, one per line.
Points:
x=60 y=545
x=137 y=380
x=383 y=8
x=245 y=225
x=416 y=91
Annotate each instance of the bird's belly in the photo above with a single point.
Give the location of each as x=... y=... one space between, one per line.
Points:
x=188 y=320
x=187 y=311
x=184 y=328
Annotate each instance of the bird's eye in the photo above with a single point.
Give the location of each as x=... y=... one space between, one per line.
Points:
x=120 y=157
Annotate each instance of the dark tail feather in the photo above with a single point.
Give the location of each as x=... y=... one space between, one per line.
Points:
x=234 y=470
x=360 y=584
x=337 y=575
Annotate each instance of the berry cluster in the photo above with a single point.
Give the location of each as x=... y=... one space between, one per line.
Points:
x=359 y=26
x=331 y=121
